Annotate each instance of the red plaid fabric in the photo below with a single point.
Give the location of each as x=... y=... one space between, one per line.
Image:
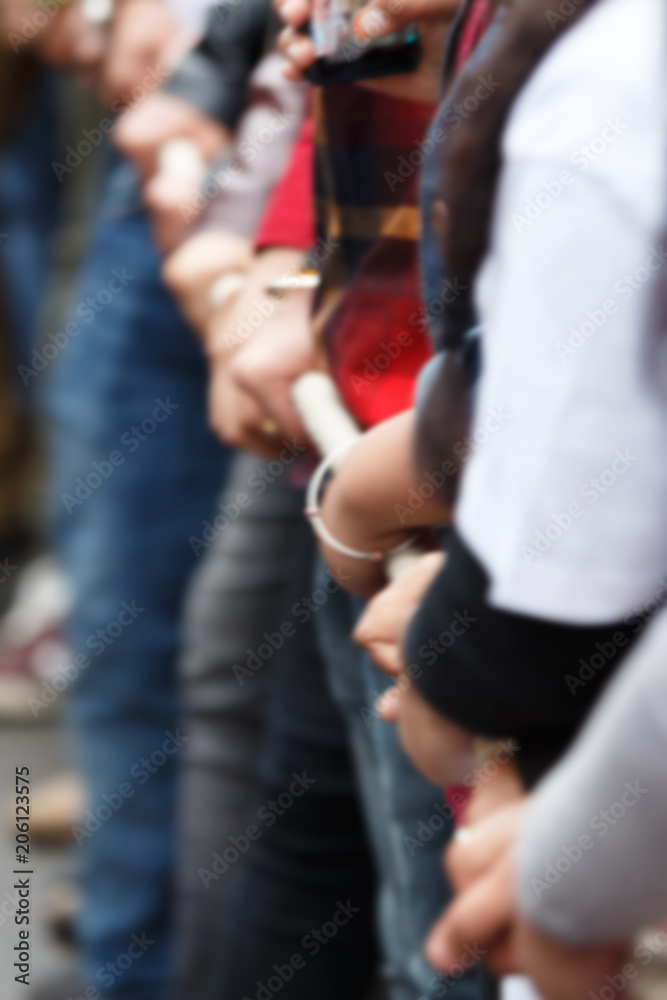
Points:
x=368 y=153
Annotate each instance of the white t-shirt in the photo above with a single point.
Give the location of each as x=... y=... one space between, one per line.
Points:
x=564 y=499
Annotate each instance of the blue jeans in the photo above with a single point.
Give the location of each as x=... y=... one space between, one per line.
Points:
x=408 y=826
x=136 y=472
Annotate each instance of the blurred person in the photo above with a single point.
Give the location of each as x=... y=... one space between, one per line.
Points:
x=17 y=458
x=202 y=101
x=402 y=434
x=132 y=379
x=301 y=871
x=615 y=894
x=535 y=601
x=236 y=598
x=288 y=869
x=29 y=199
x=557 y=615
x=596 y=821
x=369 y=292
x=18 y=532
x=19 y=76
x=37 y=257
x=162 y=362
x=136 y=471
x=237 y=714
x=241 y=582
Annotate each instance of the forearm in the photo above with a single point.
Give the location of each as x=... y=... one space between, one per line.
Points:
x=592 y=849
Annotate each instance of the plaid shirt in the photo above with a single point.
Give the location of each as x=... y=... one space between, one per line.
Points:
x=367 y=155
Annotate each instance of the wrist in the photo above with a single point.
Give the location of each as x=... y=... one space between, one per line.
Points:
x=341 y=526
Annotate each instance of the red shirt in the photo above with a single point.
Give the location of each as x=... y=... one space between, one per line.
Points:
x=289 y=220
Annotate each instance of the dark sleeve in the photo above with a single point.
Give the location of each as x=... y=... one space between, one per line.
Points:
x=214 y=75
x=499 y=674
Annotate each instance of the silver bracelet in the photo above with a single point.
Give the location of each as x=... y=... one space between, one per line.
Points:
x=313 y=511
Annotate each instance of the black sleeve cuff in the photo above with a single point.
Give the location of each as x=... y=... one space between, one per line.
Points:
x=499 y=674
x=201 y=81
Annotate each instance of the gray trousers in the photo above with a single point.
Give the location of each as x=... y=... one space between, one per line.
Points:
x=237 y=594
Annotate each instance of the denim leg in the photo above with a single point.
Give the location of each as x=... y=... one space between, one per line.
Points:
x=408 y=832
x=135 y=474
x=417 y=828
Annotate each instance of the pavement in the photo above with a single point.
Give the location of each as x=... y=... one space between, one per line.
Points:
x=42 y=748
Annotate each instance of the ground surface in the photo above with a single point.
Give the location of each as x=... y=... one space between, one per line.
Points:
x=41 y=748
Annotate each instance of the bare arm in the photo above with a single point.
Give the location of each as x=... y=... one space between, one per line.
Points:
x=377 y=499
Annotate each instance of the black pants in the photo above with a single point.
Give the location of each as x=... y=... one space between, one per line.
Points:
x=301 y=923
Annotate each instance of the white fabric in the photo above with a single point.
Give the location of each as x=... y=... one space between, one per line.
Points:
x=517 y=988
x=576 y=406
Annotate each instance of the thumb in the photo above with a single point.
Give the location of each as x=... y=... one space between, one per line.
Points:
x=381 y=17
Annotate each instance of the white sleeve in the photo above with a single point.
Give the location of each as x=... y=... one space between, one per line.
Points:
x=564 y=493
